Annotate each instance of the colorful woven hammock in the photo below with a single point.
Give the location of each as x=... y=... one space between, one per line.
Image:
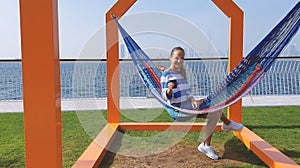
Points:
x=238 y=83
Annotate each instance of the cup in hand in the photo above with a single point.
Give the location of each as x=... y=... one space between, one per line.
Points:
x=174 y=81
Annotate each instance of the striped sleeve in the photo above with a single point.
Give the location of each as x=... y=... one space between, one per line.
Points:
x=164 y=85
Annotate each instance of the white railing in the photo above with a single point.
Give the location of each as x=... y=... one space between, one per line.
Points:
x=87 y=79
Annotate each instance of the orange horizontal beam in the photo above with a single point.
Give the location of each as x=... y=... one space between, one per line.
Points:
x=96 y=151
x=162 y=126
x=266 y=152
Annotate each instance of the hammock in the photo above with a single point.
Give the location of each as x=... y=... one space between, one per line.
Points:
x=238 y=83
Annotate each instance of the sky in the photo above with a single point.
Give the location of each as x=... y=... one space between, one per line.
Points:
x=157 y=25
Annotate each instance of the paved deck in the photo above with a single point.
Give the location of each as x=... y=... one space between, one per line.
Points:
x=100 y=104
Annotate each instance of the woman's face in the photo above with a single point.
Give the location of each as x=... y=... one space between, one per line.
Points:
x=177 y=59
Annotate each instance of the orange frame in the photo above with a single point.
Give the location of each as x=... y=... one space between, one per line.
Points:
x=268 y=154
x=40 y=63
x=41 y=83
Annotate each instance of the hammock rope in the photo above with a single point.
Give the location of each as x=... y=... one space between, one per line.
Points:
x=237 y=83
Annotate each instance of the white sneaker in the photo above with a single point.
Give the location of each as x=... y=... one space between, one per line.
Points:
x=232 y=126
x=208 y=151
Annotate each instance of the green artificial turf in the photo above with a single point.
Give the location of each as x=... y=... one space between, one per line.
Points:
x=277 y=125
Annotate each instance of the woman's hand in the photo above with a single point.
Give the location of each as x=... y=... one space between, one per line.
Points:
x=194 y=104
x=200 y=101
x=170 y=87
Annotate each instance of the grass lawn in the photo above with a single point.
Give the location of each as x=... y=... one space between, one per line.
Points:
x=277 y=125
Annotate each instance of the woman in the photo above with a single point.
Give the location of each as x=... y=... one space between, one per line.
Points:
x=176 y=91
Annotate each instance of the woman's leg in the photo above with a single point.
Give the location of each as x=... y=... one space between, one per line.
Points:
x=229 y=125
x=212 y=122
x=208 y=140
x=225 y=119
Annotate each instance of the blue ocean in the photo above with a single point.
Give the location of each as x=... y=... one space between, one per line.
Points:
x=87 y=79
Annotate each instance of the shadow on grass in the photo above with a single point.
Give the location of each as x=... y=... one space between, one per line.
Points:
x=292 y=154
x=109 y=157
x=273 y=126
x=235 y=150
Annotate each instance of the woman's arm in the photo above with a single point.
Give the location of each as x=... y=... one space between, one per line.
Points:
x=166 y=87
x=170 y=88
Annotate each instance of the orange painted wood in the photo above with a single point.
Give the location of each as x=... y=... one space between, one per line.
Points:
x=113 y=70
x=163 y=126
x=96 y=151
x=41 y=83
x=266 y=152
x=236 y=16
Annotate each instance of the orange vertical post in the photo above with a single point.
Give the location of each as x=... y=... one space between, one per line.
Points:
x=236 y=16
x=41 y=83
x=113 y=70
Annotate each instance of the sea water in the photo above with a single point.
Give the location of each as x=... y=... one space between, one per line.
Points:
x=88 y=80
